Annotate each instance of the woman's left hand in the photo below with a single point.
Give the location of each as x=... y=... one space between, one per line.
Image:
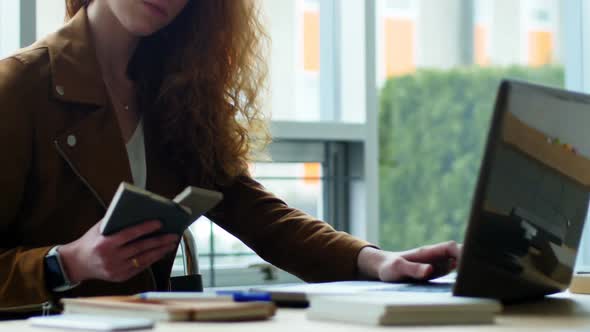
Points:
x=424 y=263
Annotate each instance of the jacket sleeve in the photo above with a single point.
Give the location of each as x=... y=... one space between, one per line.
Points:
x=21 y=268
x=286 y=237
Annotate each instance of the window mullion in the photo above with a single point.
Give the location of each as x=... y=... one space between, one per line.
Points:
x=329 y=60
x=574 y=32
x=369 y=229
x=28 y=22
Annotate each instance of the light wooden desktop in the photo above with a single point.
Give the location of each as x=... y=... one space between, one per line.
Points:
x=562 y=312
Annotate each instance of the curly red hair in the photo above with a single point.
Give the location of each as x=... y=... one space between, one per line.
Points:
x=207 y=71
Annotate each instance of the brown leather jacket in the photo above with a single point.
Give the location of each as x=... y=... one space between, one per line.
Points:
x=63 y=158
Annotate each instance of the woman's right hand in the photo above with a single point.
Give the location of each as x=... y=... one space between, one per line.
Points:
x=117 y=257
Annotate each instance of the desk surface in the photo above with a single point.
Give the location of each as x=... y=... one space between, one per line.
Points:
x=562 y=312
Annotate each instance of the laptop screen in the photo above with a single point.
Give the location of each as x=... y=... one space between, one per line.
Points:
x=532 y=196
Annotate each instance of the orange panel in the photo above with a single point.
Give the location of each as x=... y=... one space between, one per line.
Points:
x=540 y=48
x=311 y=41
x=481 y=41
x=311 y=173
x=399 y=46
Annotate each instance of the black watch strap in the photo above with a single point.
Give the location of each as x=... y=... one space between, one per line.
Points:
x=56 y=278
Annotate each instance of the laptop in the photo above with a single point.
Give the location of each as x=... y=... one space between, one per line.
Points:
x=528 y=210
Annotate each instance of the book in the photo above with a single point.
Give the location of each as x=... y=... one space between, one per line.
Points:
x=132 y=205
x=198 y=309
x=92 y=323
x=403 y=309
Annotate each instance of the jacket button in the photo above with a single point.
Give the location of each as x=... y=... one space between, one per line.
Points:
x=72 y=141
x=60 y=90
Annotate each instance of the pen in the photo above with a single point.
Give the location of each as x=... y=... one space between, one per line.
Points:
x=241 y=296
x=182 y=296
x=237 y=296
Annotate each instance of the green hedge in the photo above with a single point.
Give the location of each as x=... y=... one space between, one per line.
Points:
x=432 y=129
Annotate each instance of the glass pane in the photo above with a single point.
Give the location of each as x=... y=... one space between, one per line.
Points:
x=9 y=27
x=439 y=66
x=50 y=16
x=299 y=184
x=294 y=28
x=227 y=250
x=352 y=61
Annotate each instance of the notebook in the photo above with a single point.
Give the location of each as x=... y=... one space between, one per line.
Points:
x=170 y=310
x=92 y=323
x=132 y=205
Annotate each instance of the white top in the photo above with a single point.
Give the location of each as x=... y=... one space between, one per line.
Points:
x=136 y=155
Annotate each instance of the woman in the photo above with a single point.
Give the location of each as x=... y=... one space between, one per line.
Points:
x=162 y=93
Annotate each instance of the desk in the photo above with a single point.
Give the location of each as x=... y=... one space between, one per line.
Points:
x=562 y=312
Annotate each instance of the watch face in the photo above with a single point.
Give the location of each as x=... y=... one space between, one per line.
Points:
x=53 y=273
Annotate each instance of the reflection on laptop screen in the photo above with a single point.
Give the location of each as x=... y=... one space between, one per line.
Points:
x=532 y=196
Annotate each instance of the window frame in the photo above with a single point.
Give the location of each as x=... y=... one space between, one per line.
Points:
x=343 y=171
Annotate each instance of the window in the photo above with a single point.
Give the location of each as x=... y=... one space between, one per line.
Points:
x=49 y=16
x=314 y=184
x=311 y=37
x=483 y=23
x=312 y=78
x=542 y=22
x=398 y=32
x=301 y=184
x=294 y=28
x=9 y=27
x=439 y=64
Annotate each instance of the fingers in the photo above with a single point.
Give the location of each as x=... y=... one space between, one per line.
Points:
x=149 y=257
x=136 y=264
x=401 y=268
x=443 y=267
x=441 y=251
x=134 y=249
x=132 y=233
x=118 y=257
x=124 y=269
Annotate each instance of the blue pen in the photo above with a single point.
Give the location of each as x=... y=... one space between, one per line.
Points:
x=237 y=296
x=183 y=296
x=241 y=296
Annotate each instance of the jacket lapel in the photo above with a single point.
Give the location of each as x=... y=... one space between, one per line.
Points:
x=93 y=147
x=75 y=71
x=95 y=151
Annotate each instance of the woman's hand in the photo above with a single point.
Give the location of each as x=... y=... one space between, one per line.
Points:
x=424 y=263
x=117 y=257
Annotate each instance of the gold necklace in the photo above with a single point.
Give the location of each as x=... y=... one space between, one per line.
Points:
x=117 y=99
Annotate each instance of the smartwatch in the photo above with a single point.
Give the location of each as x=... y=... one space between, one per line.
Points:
x=55 y=275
